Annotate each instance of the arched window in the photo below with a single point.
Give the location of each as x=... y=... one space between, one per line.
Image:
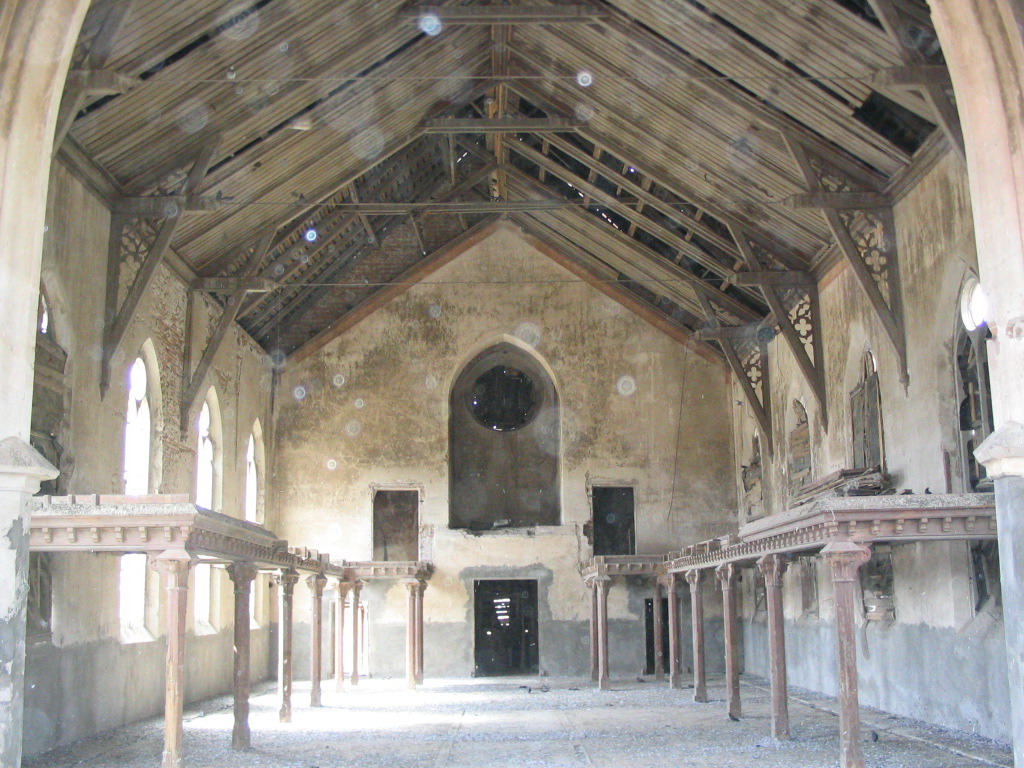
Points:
x=138 y=431
x=254 y=501
x=504 y=442
x=50 y=394
x=208 y=454
x=43 y=323
x=866 y=417
x=974 y=395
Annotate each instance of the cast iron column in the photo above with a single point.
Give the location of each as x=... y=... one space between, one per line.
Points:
x=410 y=634
x=601 y=584
x=658 y=634
x=286 y=579
x=357 y=587
x=593 y=631
x=845 y=559
x=175 y=567
x=726 y=574
x=420 y=592
x=674 y=651
x=316 y=584
x=772 y=567
x=700 y=678
x=340 y=594
x=242 y=576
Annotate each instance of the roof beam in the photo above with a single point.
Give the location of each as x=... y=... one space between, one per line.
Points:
x=232 y=284
x=118 y=324
x=227 y=319
x=775 y=277
x=895 y=23
x=93 y=79
x=912 y=76
x=838 y=201
x=657 y=269
x=501 y=125
x=504 y=14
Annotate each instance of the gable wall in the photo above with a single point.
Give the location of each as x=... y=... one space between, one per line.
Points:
x=387 y=424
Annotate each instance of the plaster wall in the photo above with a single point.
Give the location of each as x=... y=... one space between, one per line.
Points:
x=938 y=660
x=82 y=678
x=370 y=410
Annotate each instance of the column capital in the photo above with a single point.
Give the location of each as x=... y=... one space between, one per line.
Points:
x=316 y=582
x=340 y=585
x=845 y=559
x=693 y=578
x=411 y=584
x=242 y=574
x=172 y=562
x=602 y=582
x=1002 y=452
x=726 y=574
x=772 y=567
x=286 y=578
x=22 y=467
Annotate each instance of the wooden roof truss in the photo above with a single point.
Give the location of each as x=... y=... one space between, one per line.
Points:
x=702 y=155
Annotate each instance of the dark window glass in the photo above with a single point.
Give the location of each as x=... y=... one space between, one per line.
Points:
x=503 y=399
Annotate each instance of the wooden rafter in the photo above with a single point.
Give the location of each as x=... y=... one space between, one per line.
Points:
x=935 y=91
x=154 y=252
x=504 y=14
x=92 y=79
x=501 y=125
x=746 y=351
x=798 y=314
x=227 y=319
x=649 y=267
x=866 y=238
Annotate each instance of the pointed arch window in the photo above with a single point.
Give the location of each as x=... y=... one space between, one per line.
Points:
x=138 y=432
x=974 y=395
x=254 y=500
x=208 y=454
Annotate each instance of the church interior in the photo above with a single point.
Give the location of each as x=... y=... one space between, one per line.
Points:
x=513 y=383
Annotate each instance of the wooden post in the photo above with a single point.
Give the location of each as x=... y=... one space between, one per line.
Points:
x=175 y=567
x=657 y=635
x=845 y=559
x=316 y=584
x=357 y=587
x=602 y=583
x=674 y=680
x=412 y=585
x=700 y=678
x=242 y=576
x=593 y=632
x=420 y=590
x=772 y=567
x=726 y=574
x=340 y=595
x=286 y=579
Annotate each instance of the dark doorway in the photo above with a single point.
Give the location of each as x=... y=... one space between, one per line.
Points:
x=396 y=525
x=649 y=625
x=506 y=628
x=614 y=530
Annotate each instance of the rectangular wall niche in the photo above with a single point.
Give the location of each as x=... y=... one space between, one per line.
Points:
x=505 y=628
x=614 y=521
x=396 y=525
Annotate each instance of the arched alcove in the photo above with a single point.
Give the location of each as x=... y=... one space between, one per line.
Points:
x=504 y=442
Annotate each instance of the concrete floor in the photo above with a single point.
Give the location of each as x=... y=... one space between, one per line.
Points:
x=516 y=722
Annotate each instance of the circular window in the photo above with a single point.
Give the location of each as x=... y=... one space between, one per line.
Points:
x=973 y=304
x=503 y=399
